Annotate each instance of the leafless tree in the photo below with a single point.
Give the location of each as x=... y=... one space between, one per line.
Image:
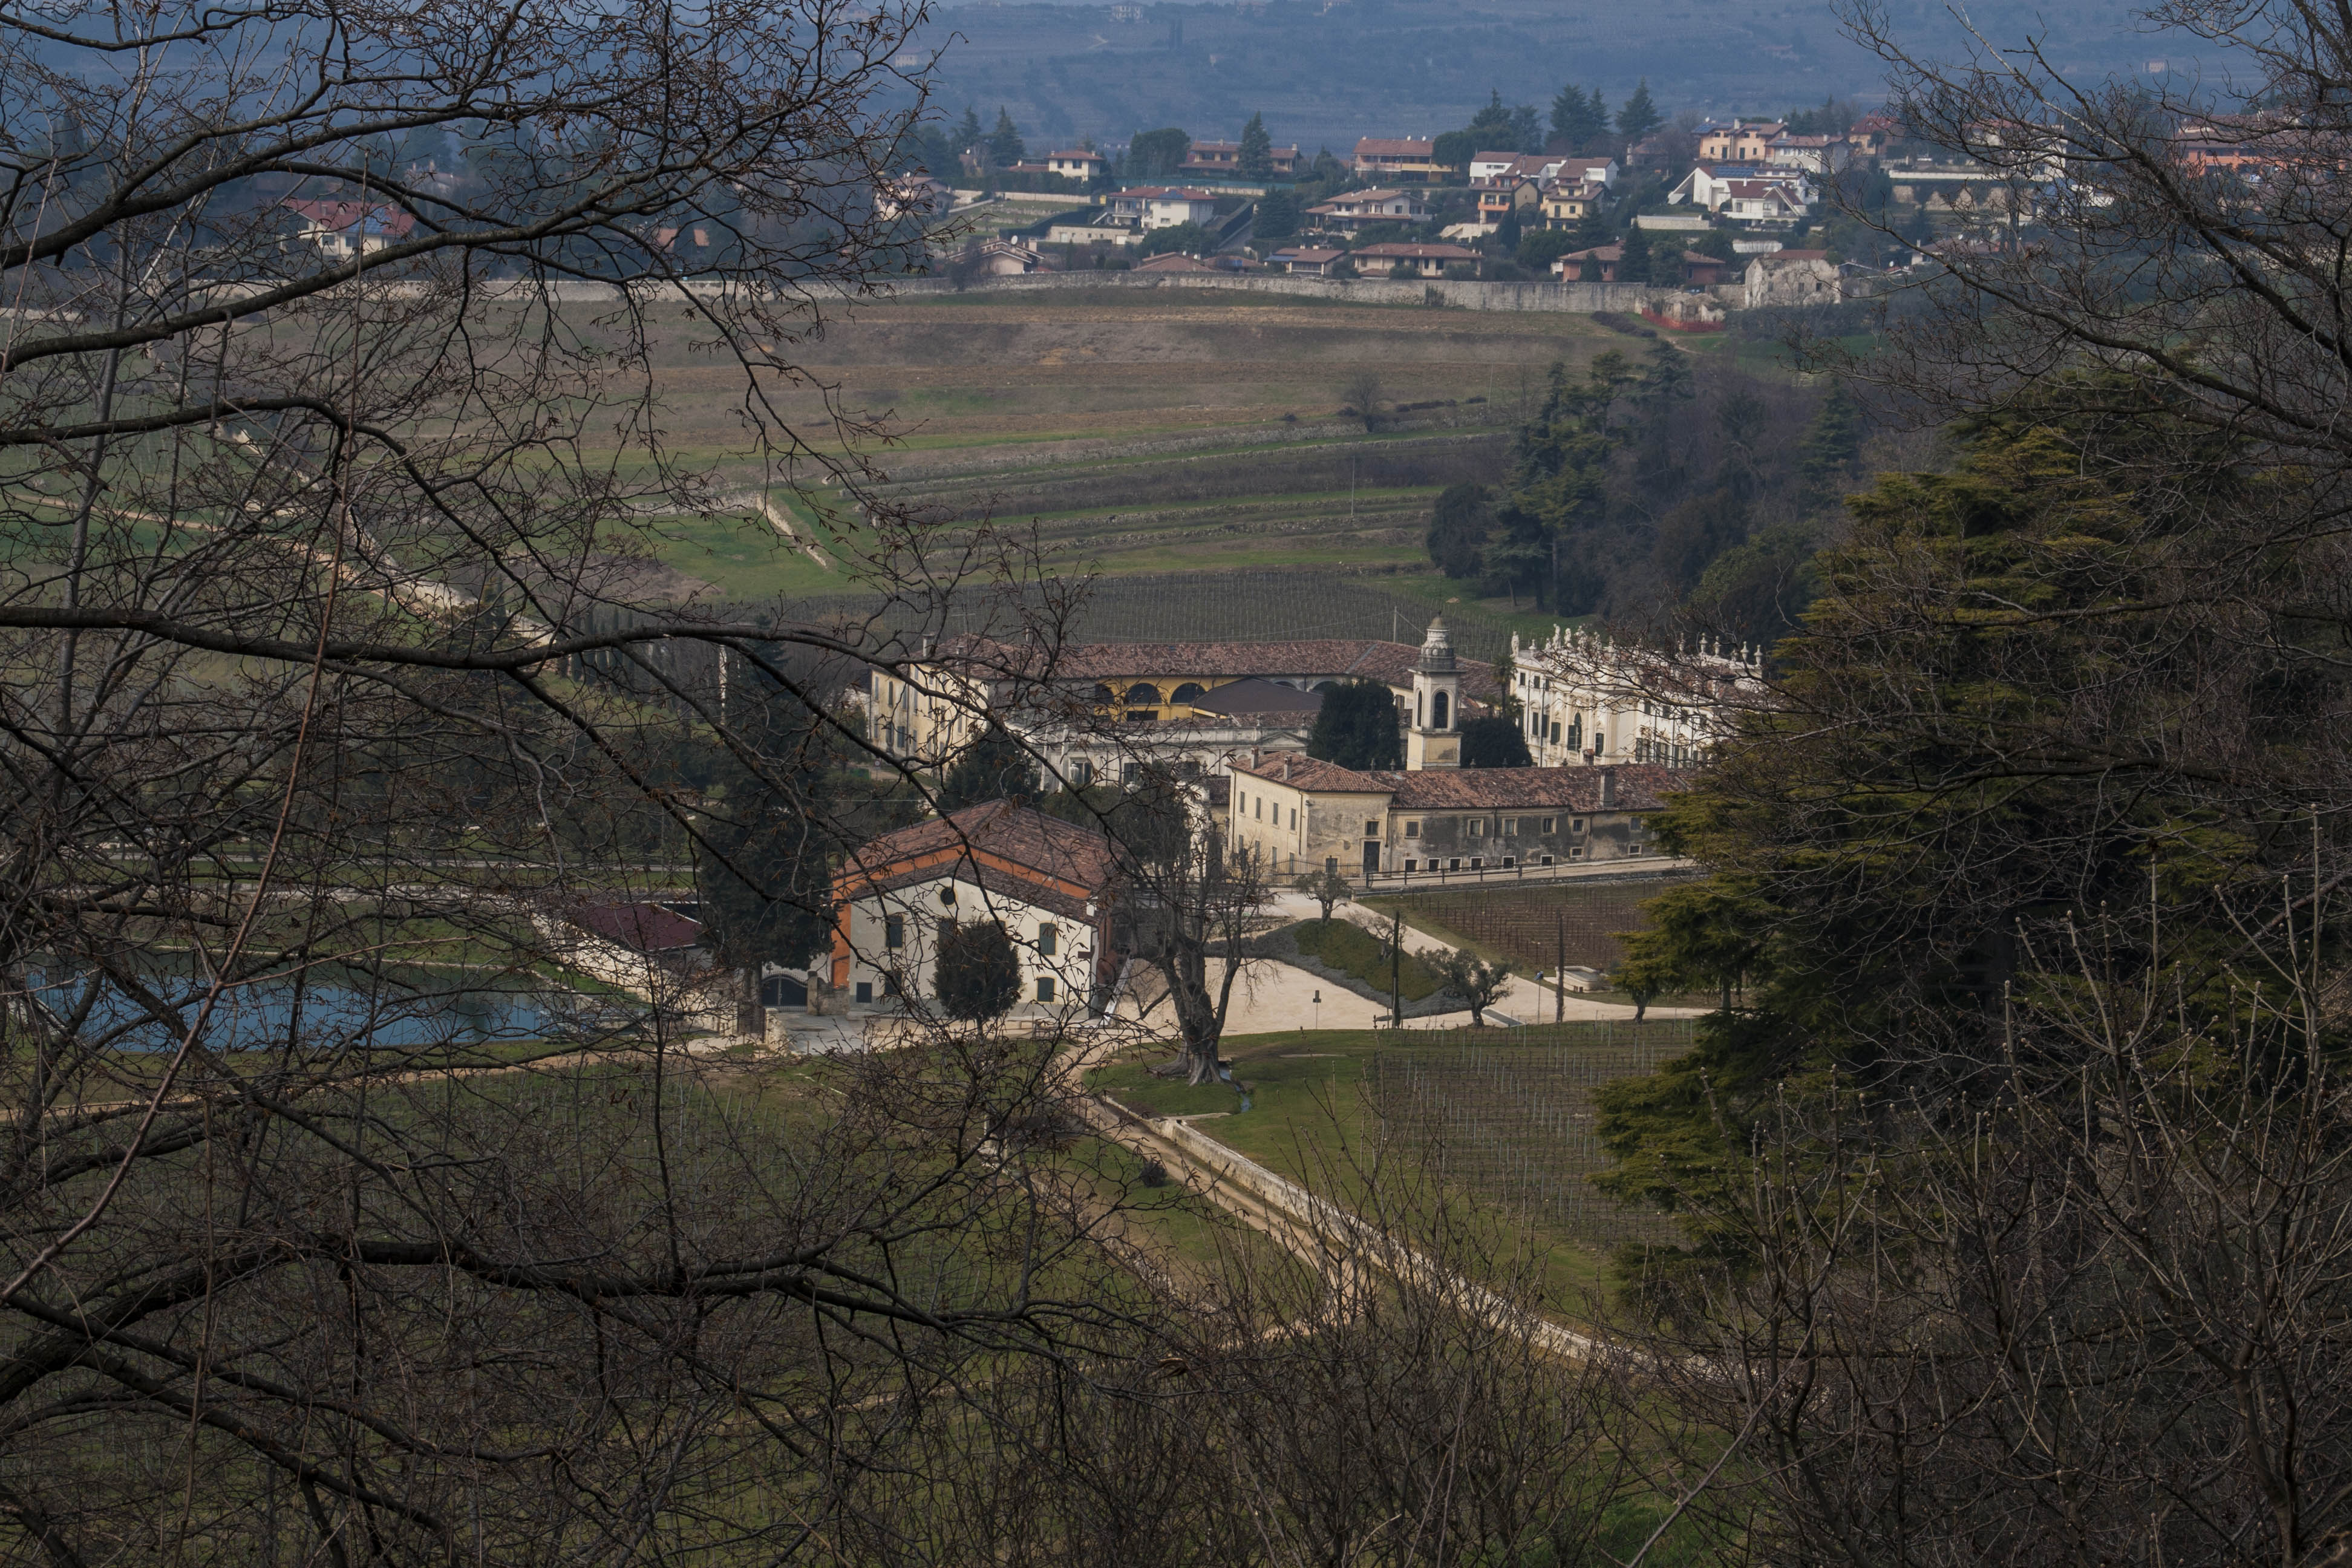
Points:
x=336 y=351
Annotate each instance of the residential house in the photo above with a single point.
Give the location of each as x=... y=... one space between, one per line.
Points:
x=1083 y=164
x=1566 y=204
x=1792 y=277
x=1716 y=186
x=1586 y=701
x=1162 y=206
x=1869 y=135
x=1009 y=259
x=1598 y=265
x=1352 y=210
x=1049 y=883
x=1305 y=261
x=1492 y=165
x=1497 y=198
x=1398 y=259
x=1175 y=261
x=1763 y=201
x=1406 y=159
x=1813 y=154
x=341 y=229
x=1738 y=140
x=1225 y=158
x=910 y=196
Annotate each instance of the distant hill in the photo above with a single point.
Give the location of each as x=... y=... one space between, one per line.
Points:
x=1324 y=74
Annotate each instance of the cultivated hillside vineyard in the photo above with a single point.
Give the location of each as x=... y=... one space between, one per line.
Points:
x=883 y=788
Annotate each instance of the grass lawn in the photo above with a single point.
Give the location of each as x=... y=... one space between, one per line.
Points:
x=1352 y=948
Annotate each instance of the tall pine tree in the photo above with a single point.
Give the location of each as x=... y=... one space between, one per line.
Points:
x=1255 y=160
x=1640 y=116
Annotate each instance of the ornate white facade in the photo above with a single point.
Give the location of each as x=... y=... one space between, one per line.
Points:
x=1584 y=699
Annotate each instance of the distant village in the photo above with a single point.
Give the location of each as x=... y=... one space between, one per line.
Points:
x=1801 y=208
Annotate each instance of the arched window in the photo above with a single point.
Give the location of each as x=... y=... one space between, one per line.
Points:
x=1327 y=686
x=1143 y=691
x=1437 y=714
x=1104 y=694
x=1192 y=690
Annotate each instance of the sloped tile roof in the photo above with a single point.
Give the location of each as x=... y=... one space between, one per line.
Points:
x=1044 y=845
x=1641 y=786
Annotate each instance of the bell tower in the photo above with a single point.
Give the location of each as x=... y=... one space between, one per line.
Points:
x=1433 y=739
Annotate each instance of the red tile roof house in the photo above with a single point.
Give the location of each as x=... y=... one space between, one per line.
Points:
x=1352 y=210
x=652 y=952
x=338 y=229
x=1311 y=261
x=1050 y=883
x=1398 y=259
x=1407 y=158
x=1225 y=157
x=1298 y=813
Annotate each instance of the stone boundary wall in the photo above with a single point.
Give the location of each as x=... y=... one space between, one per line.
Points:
x=1564 y=298
x=1578 y=298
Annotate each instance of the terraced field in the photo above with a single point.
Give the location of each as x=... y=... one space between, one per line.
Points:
x=1176 y=435
x=1531 y=925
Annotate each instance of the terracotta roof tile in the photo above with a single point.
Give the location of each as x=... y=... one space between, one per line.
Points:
x=1639 y=786
x=1046 y=845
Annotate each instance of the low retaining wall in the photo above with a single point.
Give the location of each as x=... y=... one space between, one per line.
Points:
x=1580 y=298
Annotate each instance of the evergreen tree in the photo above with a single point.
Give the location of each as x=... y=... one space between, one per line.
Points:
x=1458 y=526
x=1577 y=120
x=1527 y=130
x=1640 y=116
x=1508 y=232
x=1492 y=124
x=967 y=133
x=1257 y=158
x=995 y=767
x=1495 y=742
x=1634 y=266
x=1005 y=145
x=1277 y=218
x=1357 y=727
x=1559 y=474
x=977 y=971
x=1832 y=441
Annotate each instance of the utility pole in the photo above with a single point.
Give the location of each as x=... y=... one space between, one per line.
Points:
x=1396 y=967
x=1560 y=968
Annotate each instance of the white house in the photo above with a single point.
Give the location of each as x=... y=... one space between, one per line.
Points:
x=1352 y=210
x=1048 y=883
x=1758 y=187
x=1163 y=207
x=1081 y=163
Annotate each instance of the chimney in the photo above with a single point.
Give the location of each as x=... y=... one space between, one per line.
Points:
x=1607 y=789
x=1286 y=770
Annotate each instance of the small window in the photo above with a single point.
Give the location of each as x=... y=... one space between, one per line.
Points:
x=1454 y=864
x=1371 y=830
x=1413 y=830
x=1552 y=824
x=1412 y=865
x=1477 y=862
x=1142 y=691
x=1477 y=827
x=1257 y=810
x=1045 y=988
x=1049 y=941
x=1511 y=827
x=1082 y=773
x=1547 y=859
x=894 y=930
x=1510 y=861
x=1576 y=824
x=1577 y=853
x=1294 y=819
x=947 y=897
x=866 y=990
x=1127 y=772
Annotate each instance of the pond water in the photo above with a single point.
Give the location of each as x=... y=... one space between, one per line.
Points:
x=413 y=1011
